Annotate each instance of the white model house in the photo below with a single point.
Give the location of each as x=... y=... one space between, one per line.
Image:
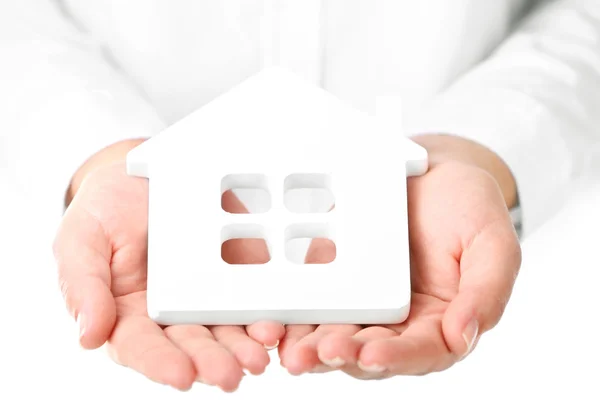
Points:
x=280 y=134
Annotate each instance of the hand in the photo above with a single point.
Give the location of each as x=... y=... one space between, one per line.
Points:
x=101 y=250
x=465 y=257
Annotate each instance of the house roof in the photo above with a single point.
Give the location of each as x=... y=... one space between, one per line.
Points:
x=272 y=120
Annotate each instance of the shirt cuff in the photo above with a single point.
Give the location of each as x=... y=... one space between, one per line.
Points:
x=520 y=130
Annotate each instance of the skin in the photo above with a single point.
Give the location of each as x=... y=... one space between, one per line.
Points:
x=100 y=250
x=465 y=257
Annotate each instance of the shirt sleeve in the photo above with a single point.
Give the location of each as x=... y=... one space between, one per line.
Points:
x=61 y=99
x=535 y=102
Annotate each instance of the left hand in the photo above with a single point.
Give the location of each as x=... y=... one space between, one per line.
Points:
x=101 y=249
x=465 y=256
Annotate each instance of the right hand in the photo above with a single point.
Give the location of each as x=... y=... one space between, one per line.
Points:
x=100 y=249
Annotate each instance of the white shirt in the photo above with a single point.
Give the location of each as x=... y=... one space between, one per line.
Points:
x=521 y=77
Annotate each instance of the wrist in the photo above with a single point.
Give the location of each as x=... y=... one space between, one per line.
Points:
x=116 y=152
x=448 y=148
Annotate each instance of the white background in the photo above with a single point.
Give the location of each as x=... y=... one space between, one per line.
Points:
x=546 y=344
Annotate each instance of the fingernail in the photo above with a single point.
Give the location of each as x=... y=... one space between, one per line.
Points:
x=273 y=346
x=204 y=382
x=470 y=334
x=334 y=363
x=81 y=323
x=370 y=368
x=320 y=368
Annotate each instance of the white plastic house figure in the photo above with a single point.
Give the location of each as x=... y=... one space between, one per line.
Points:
x=278 y=133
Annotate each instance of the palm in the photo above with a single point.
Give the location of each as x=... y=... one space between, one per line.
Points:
x=444 y=222
x=112 y=210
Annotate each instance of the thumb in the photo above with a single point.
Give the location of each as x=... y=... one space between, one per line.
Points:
x=82 y=252
x=489 y=266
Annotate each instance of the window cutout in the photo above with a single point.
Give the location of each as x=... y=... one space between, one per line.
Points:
x=310 y=244
x=244 y=244
x=245 y=193
x=308 y=193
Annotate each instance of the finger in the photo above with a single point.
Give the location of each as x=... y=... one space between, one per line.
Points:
x=299 y=352
x=303 y=356
x=138 y=343
x=293 y=334
x=338 y=350
x=251 y=355
x=342 y=350
x=489 y=267
x=374 y=332
x=214 y=364
x=419 y=350
x=346 y=345
x=268 y=333
x=250 y=251
x=242 y=251
x=320 y=251
x=82 y=253
x=245 y=251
